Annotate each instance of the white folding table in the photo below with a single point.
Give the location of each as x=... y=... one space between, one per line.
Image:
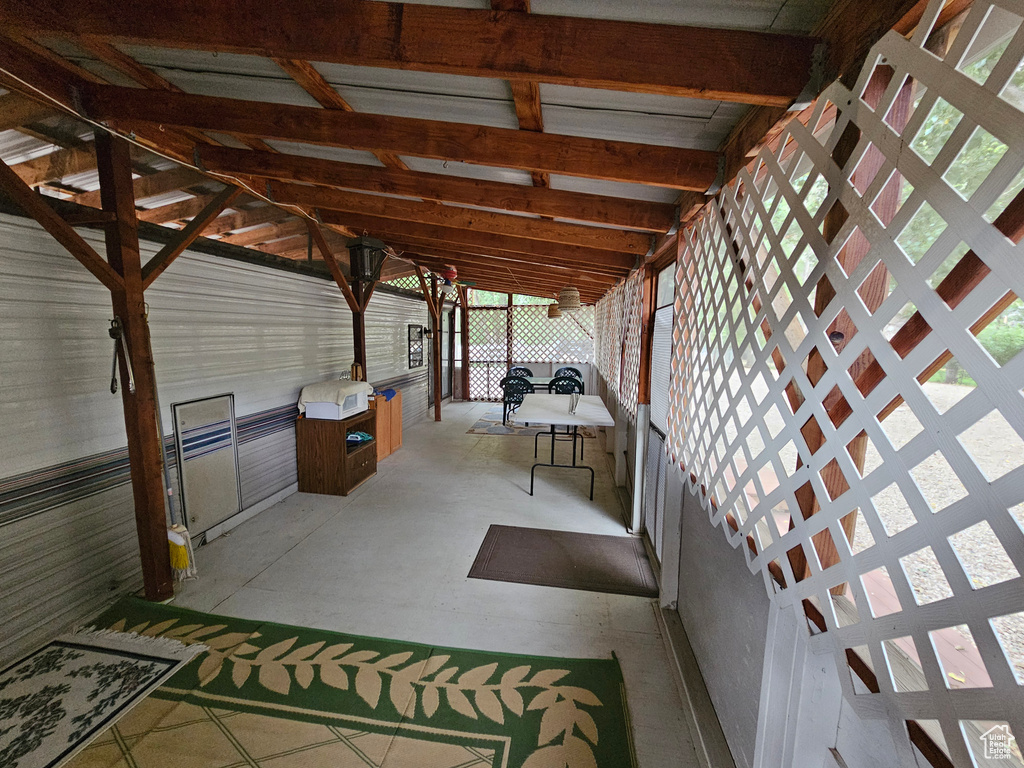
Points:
x=554 y=410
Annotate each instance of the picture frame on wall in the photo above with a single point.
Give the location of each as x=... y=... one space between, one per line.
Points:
x=415 y=346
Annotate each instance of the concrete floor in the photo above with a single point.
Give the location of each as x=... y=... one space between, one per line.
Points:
x=391 y=559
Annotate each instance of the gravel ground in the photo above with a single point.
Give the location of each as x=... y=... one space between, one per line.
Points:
x=994 y=446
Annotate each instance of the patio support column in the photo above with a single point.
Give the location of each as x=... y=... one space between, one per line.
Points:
x=140 y=414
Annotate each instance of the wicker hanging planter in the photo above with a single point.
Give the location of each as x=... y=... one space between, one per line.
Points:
x=569 y=299
x=554 y=312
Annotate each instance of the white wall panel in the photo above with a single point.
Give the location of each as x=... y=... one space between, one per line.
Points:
x=217 y=326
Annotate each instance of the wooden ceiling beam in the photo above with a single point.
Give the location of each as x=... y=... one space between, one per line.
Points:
x=458 y=217
x=316 y=85
x=240 y=219
x=470 y=268
x=530 y=248
x=133 y=108
x=597 y=209
x=503 y=258
x=159 y=183
x=749 y=67
x=56 y=165
x=186 y=209
x=267 y=233
x=17 y=110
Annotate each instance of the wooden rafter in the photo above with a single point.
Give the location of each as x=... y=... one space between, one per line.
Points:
x=458 y=217
x=598 y=209
x=383 y=228
x=56 y=165
x=311 y=81
x=264 y=214
x=264 y=234
x=525 y=93
x=483 y=263
x=155 y=184
x=17 y=110
x=166 y=255
x=750 y=67
x=571 y=155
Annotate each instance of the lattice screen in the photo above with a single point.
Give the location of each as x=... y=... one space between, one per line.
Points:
x=842 y=449
x=608 y=337
x=523 y=334
x=632 y=309
x=538 y=339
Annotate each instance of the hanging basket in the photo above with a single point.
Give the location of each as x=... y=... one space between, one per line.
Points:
x=554 y=312
x=569 y=300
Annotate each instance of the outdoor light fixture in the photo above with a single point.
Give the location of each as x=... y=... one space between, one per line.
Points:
x=569 y=299
x=554 y=312
x=446 y=287
x=366 y=257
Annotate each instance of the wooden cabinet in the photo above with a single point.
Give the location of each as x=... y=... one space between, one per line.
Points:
x=326 y=463
x=389 y=424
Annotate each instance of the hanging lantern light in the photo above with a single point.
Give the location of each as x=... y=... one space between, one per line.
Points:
x=366 y=257
x=554 y=312
x=569 y=299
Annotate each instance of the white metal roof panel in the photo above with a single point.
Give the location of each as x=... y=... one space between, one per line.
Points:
x=387 y=79
x=469 y=170
x=747 y=14
x=614 y=189
x=339 y=154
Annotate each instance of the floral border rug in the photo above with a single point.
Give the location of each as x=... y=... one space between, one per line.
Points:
x=490 y=424
x=273 y=695
x=56 y=700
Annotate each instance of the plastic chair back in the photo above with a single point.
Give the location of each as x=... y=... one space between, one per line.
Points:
x=565 y=385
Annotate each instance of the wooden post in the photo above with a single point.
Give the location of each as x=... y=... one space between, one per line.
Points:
x=647 y=334
x=435 y=317
x=508 y=334
x=359 y=329
x=140 y=415
x=465 y=342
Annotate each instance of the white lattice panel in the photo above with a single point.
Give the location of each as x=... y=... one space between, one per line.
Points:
x=608 y=337
x=796 y=398
x=632 y=310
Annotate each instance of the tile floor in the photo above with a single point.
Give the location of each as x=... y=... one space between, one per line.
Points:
x=391 y=559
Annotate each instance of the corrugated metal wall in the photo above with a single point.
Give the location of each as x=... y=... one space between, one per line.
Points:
x=67 y=534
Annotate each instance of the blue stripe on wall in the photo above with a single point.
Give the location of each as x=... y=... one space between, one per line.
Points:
x=33 y=492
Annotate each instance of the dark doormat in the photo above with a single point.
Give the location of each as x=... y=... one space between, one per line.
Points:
x=616 y=564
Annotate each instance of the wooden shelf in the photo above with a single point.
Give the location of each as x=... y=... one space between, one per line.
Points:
x=326 y=462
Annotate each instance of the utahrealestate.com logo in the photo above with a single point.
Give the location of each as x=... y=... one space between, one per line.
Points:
x=998 y=742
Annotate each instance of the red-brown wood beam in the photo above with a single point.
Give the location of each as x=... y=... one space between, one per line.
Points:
x=442 y=188
x=34 y=205
x=264 y=214
x=56 y=165
x=17 y=110
x=155 y=184
x=313 y=83
x=139 y=109
x=458 y=217
x=332 y=263
x=166 y=255
x=383 y=228
x=750 y=67
x=140 y=412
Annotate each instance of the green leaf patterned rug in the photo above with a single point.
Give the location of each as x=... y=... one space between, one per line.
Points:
x=274 y=696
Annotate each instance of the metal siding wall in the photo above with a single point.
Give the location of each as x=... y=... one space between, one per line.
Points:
x=217 y=326
x=387 y=350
